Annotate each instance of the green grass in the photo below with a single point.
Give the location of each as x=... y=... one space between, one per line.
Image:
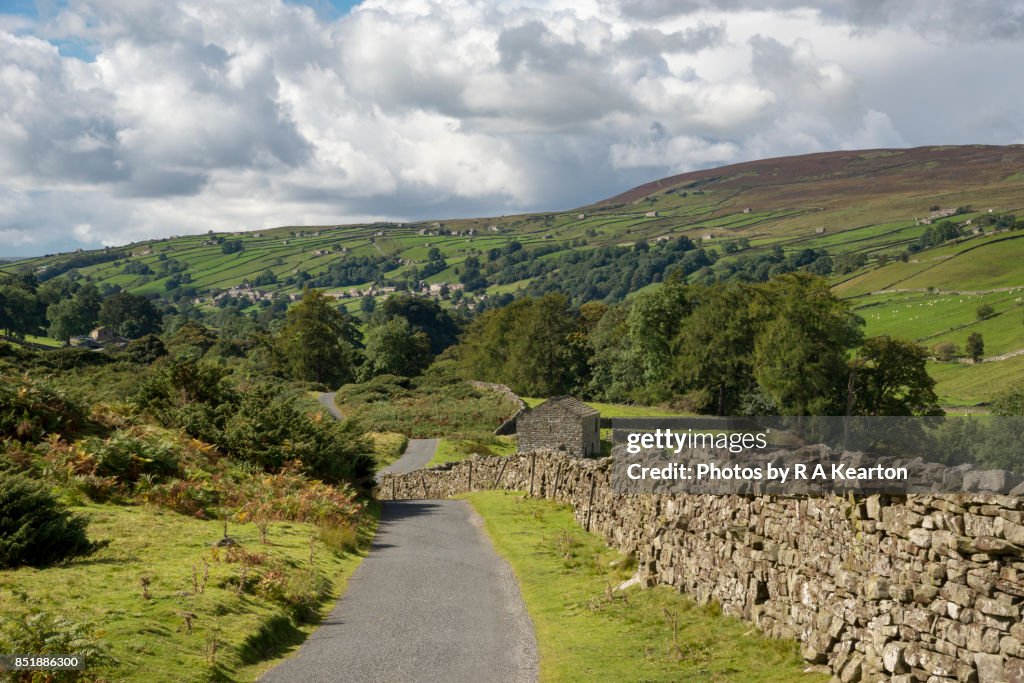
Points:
x=930 y=318
x=387 y=447
x=149 y=637
x=613 y=410
x=586 y=633
x=963 y=384
x=424 y=412
x=458 y=447
x=43 y=341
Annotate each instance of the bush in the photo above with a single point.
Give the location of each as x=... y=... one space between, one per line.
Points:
x=945 y=351
x=69 y=358
x=291 y=496
x=271 y=429
x=380 y=389
x=35 y=529
x=193 y=497
x=128 y=457
x=30 y=409
x=145 y=350
x=41 y=633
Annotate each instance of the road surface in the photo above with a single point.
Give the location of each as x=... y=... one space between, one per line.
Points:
x=431 y=602
x=418 y=452
x=327 y=401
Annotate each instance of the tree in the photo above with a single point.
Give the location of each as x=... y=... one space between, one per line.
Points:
x=423 y=315
x=267 y=277
x=890 y=378
x=714 y=348
x=614 y=372
x=799 y=355
x=20 y=311
x=1010 y=402
x=394 y=348
x=975 y=346
x=231 y=246
x=191 y=339
x=129 y=315
x=984 y=312
x=471 y=278
x=655 y=320
x=90 y=299
x=36 y=529
x=317 y=342
x=945 y=351
x=68 y=318
x=522 y=345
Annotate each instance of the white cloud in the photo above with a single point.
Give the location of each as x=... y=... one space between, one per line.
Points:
x=236 y=114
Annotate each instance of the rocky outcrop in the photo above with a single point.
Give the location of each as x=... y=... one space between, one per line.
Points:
x=922 y=587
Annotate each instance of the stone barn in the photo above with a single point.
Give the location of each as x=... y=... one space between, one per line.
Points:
x=563 y=423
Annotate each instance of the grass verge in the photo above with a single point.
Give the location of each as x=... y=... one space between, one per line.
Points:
x=171 y=608
x=387 y=447
x=587 y=632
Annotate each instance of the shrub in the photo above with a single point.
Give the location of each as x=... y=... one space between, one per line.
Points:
x=269 y=424
x=69 y=358
x=291 y=496
x=35 y=529
x=145 y=350
x=41 y=633
x=128 y=457
x=945 y=351
x=97 y=489
x=341 y=537
x=380 y=389
x=272 y=429
x=193 y=497
x=299 y=591
x=30 y=409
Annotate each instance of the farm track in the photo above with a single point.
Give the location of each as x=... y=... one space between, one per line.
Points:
x=431 y=602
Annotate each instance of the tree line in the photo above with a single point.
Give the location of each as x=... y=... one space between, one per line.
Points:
x=786 y=346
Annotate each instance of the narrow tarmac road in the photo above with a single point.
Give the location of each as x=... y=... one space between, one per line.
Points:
x=327 y=401
x=418 y=452
x=431 y=602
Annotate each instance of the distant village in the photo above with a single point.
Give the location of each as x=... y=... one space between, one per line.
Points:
x=247 y=292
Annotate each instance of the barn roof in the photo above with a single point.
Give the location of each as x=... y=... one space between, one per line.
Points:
x=573 y=405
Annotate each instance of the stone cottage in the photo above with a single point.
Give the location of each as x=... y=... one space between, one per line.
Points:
x=562 y=423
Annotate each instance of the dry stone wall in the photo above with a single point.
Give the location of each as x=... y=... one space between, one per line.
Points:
x=918 y=588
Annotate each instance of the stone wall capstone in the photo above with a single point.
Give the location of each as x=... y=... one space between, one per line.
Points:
x=913 y=588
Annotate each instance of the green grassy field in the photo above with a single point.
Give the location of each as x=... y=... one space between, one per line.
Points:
x=424 y=412
x=458 y=447
x=195 y=623
x=873 y=203
x=612 y=410
x=959 y=384
x=586 y=632
x=932 y=318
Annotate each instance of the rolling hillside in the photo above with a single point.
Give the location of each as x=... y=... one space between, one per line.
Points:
x=868 y=211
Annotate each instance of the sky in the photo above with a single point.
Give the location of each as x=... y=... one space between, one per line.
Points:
x=122 y=120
